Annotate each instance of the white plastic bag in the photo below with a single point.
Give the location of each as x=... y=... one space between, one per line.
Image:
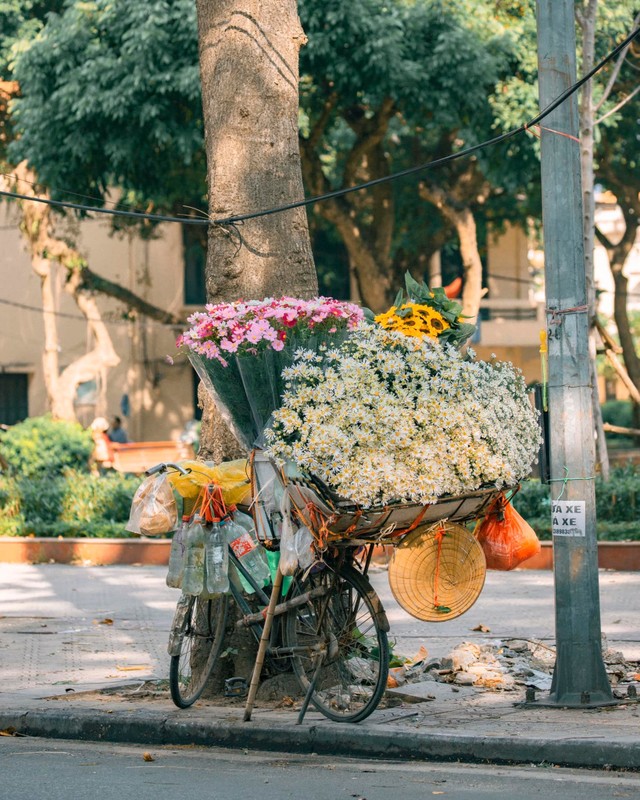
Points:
x=303 y=541
x=288 y=551
x=153 y=509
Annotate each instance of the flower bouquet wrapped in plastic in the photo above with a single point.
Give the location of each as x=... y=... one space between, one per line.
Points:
x=388 y=418
x=239 y=351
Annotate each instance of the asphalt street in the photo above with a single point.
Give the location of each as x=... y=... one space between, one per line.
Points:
x=36 y=769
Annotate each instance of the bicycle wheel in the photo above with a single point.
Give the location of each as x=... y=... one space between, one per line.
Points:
x=196 y=638
x=340 y=635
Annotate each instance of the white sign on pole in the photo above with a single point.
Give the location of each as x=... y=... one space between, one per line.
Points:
x=568 y=517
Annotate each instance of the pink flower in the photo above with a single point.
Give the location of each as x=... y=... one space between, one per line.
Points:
x=229 y=345
x=277 y=344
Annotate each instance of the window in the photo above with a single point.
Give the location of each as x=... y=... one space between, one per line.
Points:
x=14 y=397
x=195 y=255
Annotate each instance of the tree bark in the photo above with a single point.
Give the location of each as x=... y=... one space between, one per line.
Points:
x=461 y=217
x=368 y=246
x=47 y=250
x=249 y=73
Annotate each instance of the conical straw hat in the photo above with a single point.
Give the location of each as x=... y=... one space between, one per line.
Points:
x=437 y=572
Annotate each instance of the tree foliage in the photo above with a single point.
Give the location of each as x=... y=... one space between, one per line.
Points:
x=110 y=98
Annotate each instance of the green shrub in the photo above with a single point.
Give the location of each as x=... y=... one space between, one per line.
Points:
x=98 y=529
x=617 y=505
x=533 y=500
x=9 y=501
x=617 y=499
x=72 y=504
x=42 y=446
x=620 y=413
x=89 y=498
x=12 y=526
x=40 y=499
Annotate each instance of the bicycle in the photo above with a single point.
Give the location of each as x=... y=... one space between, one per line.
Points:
x=330 y=627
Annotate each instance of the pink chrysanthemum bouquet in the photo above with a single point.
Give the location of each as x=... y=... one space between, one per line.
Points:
x=240 y=349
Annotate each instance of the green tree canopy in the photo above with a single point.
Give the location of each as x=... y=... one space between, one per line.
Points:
x=110 y=97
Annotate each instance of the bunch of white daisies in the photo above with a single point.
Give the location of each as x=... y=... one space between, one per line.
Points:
x=386 y=418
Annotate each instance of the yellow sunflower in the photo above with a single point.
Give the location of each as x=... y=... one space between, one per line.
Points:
x=422 y=320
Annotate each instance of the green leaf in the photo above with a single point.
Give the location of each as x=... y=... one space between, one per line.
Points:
x=413 y=287
x=368 y=314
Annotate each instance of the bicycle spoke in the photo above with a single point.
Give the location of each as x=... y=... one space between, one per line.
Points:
x=342 y=631
x=197 y=647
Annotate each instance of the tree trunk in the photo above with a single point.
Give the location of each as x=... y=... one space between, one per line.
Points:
x=47 y=250
x=461 y=217
x=249 y=72
x=618 y=254
x=368 y=245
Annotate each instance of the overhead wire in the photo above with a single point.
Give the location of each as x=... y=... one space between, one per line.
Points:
x=234 y=219
x=27 y=307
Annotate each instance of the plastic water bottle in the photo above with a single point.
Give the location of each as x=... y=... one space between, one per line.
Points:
x=193 y=578
x=216 y=562
x=176 y=556
x=247 y=551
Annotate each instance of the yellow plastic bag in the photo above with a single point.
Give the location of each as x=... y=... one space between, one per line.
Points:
x=231 y=476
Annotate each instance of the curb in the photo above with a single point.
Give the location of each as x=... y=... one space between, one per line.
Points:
x=325 y=739
x=155 y=552
x=624 y=556
x=98 y=552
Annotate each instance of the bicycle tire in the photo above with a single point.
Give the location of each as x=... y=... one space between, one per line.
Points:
x=348 y=623
x=199 y=638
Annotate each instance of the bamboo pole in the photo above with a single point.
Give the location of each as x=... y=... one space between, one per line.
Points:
x=262 y=648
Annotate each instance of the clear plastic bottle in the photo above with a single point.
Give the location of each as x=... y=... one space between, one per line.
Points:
x=193 y=578
x=177 y=556
x=248 y=552
x=216 y=562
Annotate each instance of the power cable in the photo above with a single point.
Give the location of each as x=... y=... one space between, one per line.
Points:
x=232 y=220
x=445 y=159
x=26 y=307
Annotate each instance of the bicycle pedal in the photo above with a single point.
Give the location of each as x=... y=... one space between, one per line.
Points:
x=236 y=687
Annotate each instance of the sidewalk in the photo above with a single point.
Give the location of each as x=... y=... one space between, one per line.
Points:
x=68 y=632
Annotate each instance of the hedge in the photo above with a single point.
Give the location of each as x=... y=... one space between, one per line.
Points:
x=69 y=505
x=617 y=503
x=43 y=447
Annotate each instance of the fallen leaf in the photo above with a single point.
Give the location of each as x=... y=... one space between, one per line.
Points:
x=132 y=667
x=421 y=655
x=106 y=621
x=148 y=757
x=392 y=683
x=11 y=731
x=482 y=629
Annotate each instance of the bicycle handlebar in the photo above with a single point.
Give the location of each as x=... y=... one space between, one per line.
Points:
x=164 y=466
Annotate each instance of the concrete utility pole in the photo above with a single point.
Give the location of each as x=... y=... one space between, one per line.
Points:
x=580 y=678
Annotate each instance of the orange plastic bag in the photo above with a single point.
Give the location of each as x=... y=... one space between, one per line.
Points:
x=506 y=538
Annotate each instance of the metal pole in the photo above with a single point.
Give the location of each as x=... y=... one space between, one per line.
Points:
x=580 y=678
